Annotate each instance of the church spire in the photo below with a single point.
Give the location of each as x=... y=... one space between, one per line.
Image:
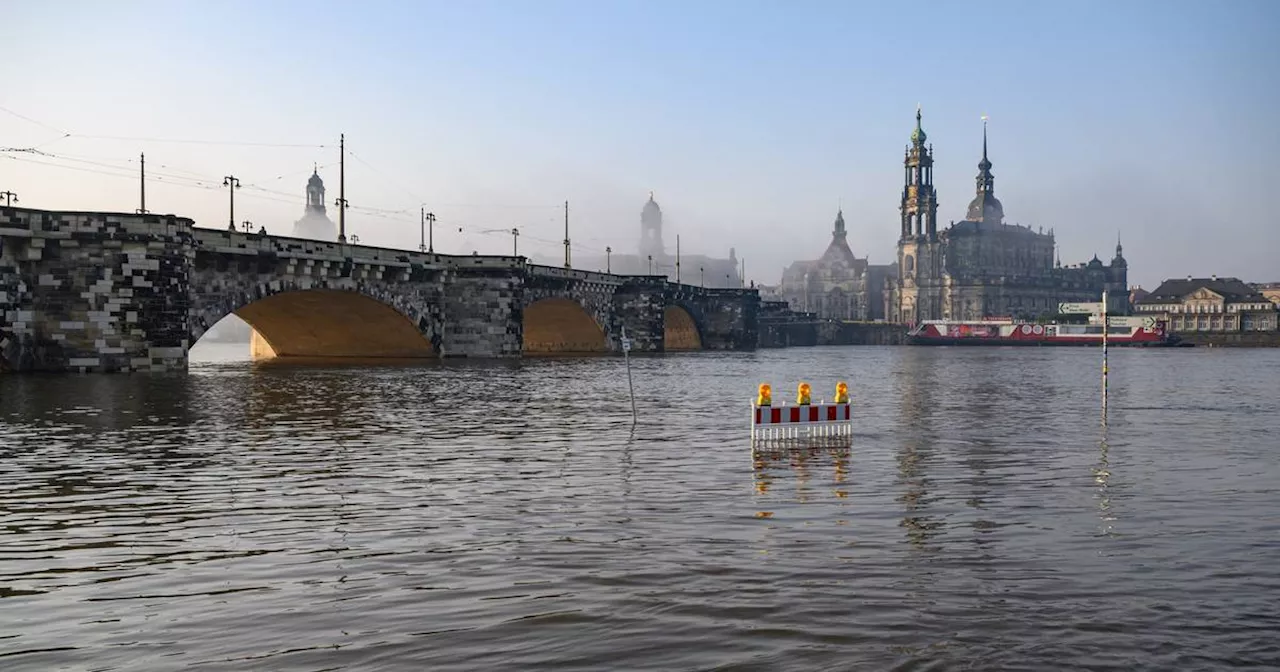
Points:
x=918 y=136
x=986 y=181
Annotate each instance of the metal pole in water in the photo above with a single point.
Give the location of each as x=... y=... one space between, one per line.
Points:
x=1105 y=329
x=626 y=350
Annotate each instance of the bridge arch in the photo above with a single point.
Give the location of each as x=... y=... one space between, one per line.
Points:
x=323 y=321
x=556 y=325
x=680 y=330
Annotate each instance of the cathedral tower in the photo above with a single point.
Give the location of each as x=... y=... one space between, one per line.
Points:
x=917 y=291
x=919 y=202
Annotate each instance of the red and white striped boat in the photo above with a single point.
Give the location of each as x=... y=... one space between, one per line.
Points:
x=1128 y=331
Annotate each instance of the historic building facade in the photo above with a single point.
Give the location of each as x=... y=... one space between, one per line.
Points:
x=1210 y=304
x=982 y=266
x=315 y=224
x=838 y=285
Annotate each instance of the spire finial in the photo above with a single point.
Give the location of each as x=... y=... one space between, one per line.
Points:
x=651 y=194
x=984 y=136
x=315 y=168
x=917 y=115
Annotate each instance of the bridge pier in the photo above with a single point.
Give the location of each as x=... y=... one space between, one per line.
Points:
x=106 y=292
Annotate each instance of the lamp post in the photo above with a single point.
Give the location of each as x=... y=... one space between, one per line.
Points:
x=515 y=242
x=677 y=259
x=248 y=226
x=232 y=183
x=702 y=277
x=342 y=188
x=608 y=259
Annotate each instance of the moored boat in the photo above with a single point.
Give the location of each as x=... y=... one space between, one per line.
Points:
x=1121 y=331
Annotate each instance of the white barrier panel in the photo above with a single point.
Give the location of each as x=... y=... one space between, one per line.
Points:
x=801 y=421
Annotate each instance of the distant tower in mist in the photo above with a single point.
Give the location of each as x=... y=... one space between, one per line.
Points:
x=315 y=224
x=651 y=230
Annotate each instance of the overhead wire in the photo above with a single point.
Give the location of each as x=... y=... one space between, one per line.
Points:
x=177 y=176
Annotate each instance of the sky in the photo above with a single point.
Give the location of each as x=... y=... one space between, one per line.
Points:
x=751 y=122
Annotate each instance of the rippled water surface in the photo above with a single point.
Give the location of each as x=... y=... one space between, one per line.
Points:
x=504 y=516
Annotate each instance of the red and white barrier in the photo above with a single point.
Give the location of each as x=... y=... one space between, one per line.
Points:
x=801 y=421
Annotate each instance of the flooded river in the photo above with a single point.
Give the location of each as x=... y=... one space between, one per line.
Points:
x=504 y=516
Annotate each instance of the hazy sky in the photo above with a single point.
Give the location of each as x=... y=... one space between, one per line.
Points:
x=751 y=121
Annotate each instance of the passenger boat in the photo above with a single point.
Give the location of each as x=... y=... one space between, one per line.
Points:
x=1122 y=331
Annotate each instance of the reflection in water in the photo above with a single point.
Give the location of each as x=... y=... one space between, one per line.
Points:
x=917 y=438
x=505 y=516
x=1102 y=477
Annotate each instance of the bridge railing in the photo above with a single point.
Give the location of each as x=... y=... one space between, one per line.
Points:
x=225 y=240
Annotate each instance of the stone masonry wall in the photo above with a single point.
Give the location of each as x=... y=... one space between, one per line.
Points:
x=640 y=307
x=93 y=291
x=728 y=319
x=481 y=314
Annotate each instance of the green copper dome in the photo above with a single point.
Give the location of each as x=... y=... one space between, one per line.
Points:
x=917 y=136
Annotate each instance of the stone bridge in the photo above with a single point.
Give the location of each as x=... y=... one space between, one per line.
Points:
x=105 y=292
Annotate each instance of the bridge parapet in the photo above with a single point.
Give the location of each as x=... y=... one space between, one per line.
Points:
x=225 y=241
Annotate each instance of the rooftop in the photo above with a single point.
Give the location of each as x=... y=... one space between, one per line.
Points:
x=1231 y=289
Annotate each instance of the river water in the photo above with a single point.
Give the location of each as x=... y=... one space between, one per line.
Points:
x=505 y=516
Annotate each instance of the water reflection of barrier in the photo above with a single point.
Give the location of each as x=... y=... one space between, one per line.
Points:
x=815 y=425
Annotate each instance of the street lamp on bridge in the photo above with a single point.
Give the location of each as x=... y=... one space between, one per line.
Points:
x=232 y=183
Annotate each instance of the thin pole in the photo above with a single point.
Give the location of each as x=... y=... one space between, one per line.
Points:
x=342 y=188
x=431 y=233
x=515 y=242
x=626 y=350
x=232 y=184
x=742 y=279
x=608 y=259
x=142 y=186
x=422 y=230
x=1105 y=370
x=566 y=235
x=677 y=258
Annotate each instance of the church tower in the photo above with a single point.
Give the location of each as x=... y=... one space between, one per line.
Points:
x=315 y=193
x=917 y=292
x=315 y=224
x=919 y=202
x=651 y=231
